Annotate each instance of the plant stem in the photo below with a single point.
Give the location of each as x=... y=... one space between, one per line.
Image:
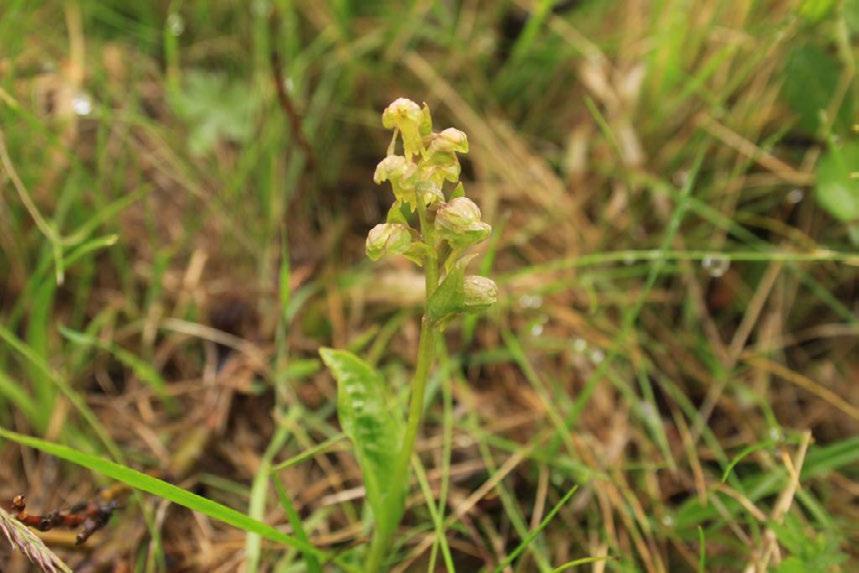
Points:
x=426 y=350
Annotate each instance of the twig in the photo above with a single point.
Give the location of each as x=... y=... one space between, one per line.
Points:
x=286 y=103
x=90 y=516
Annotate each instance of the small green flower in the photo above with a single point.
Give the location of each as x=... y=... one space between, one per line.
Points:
x=408 y=117
x=459 y=222
x=394 y=168
x=480 y=292
x=388 y=239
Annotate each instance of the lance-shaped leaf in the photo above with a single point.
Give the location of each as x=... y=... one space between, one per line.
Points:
x=375 y=428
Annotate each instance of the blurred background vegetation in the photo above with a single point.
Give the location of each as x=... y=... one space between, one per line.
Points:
x=186 y=189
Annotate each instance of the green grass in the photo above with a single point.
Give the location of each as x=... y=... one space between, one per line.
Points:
x=677 y=306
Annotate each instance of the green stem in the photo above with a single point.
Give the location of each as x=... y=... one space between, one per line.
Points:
x=383 y=533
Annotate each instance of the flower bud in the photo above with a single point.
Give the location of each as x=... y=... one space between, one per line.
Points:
x=480 y=292
x=393 y=168
x=449 y=140
x=459 y=222
x=388 y=239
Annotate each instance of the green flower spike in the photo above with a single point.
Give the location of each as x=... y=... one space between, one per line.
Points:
x=432 y=224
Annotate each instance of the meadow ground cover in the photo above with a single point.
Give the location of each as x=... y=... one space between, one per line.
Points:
x=668 y=380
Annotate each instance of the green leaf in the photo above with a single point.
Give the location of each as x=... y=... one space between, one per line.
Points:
x=216 y=109
x=851 y=15
x=310 y=560
x=811 y=77
x=375 y=428
x=837 y=188
x=398 y=213
x=162 y=489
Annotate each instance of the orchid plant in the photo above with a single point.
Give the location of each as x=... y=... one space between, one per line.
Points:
x=433 y=224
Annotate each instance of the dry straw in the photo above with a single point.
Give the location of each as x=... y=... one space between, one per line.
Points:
x=22 y=538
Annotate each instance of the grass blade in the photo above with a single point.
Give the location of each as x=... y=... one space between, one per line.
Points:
x=146 y=483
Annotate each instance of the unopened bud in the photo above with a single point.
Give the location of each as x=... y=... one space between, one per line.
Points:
x=388 y=239
x=480 y=292
x=459 y=222
x=451 y=139
x=393 y=168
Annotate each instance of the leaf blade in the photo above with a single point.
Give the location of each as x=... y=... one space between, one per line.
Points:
x=373 y=427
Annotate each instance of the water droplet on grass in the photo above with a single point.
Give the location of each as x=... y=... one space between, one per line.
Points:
x=775 y=434
x=716 y=265
x=795 y=196
x=667 y=521
x=530 y=301
x=82 y=105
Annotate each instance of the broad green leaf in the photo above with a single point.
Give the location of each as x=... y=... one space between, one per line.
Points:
x=375 y=428
x=837 y=188
x=811 y=77
x=162 y=489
